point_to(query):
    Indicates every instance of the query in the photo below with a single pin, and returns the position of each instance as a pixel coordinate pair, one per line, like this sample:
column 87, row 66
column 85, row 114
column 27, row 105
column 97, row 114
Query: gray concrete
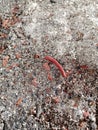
column 71, row 25
column 66, row 30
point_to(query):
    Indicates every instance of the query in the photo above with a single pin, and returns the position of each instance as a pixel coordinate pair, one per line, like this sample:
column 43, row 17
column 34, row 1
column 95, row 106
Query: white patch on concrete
column 90, row 13
column 60, row 18
column 60, row 48
column 29, row 28
column 31, row 7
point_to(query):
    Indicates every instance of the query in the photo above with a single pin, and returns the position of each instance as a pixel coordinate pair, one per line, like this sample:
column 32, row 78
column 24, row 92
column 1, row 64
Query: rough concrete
column 66, row 30
column 71, row 26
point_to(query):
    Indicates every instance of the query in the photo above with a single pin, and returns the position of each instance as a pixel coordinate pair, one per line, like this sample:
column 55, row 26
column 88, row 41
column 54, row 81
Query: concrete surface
column 71, row 26
column 64, row 29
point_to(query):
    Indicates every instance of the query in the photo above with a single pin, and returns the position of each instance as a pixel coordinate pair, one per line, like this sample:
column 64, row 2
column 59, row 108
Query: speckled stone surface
column 32, row 97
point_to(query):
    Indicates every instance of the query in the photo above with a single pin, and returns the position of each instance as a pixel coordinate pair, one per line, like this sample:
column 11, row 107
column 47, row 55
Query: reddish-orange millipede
column 57, row 64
